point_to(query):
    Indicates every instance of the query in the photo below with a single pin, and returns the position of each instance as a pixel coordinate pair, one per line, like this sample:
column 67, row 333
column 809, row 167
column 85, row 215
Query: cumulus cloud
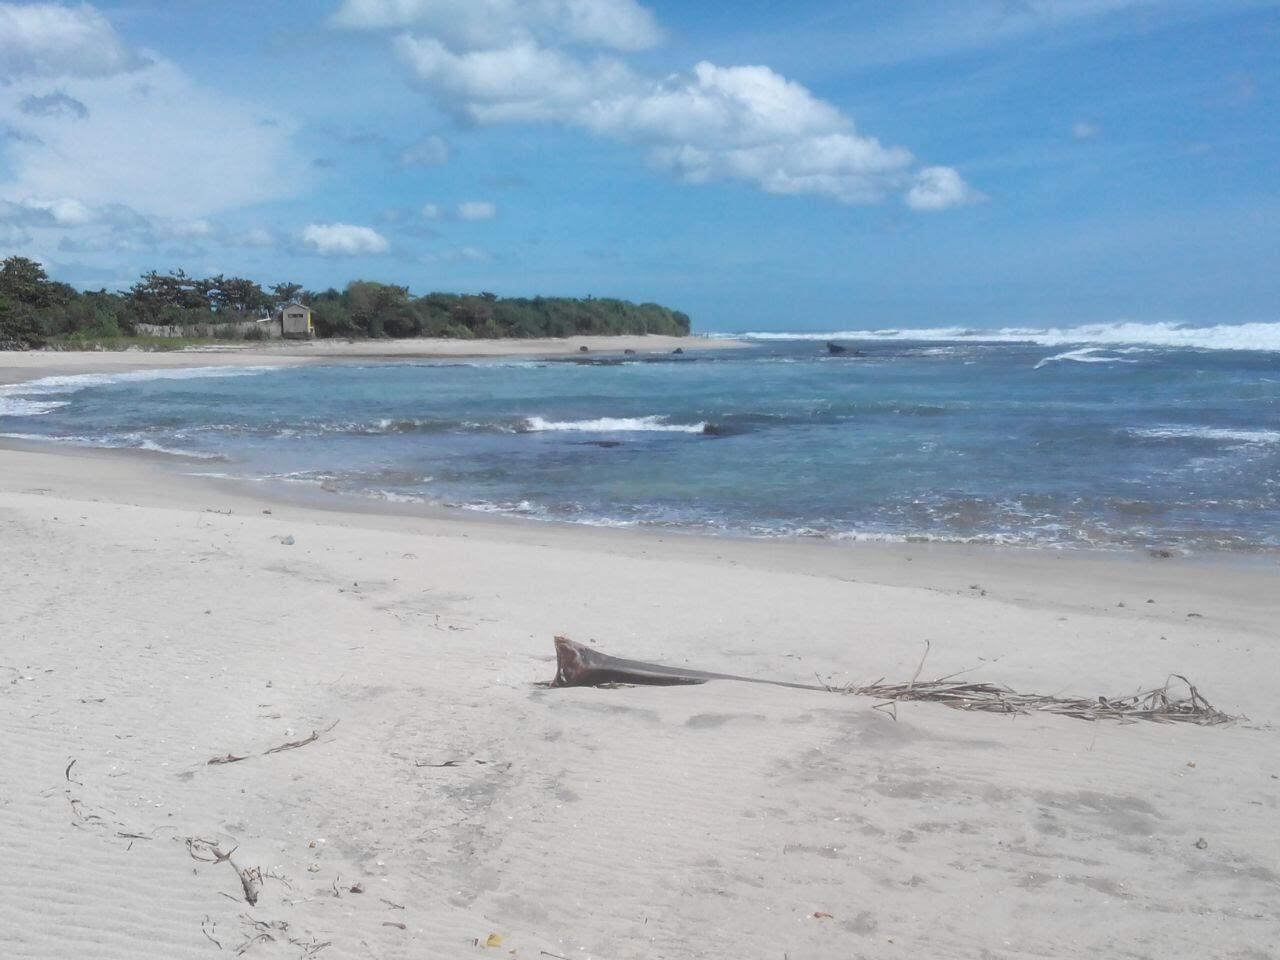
column 52, row 40
column 342, row 239
column 431, row 211
column 520, row 82
column 427, row 152
column 477, row 210
column 615, row 24
column 937, row 188
column 716, row 123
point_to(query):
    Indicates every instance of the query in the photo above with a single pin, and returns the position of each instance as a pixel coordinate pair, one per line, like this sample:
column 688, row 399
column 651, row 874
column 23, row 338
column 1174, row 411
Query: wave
column 655, row 424
column 24, row 407
column 1224, row 434
column 128, row 441
column 1090, row 355
column 29, row 398
column 1225, row 336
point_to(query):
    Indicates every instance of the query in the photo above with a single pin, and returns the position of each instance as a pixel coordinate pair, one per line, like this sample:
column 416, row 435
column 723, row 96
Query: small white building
column 295, row 321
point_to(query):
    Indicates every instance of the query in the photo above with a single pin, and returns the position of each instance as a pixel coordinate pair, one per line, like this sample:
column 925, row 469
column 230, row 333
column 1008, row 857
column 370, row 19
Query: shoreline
column 175, row 640
column 21, row 366
column 949, row 565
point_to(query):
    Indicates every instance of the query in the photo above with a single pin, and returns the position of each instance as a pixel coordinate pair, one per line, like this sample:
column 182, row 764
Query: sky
column 759, row 165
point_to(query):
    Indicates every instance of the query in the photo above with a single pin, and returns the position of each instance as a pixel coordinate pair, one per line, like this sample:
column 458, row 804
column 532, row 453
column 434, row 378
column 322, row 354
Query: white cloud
column 743, row 123
column 427, row 152
column 137, row 146
column 1083, row 130
column 52, row 40
column 343, row 239
column 520, row 82
column 471, row 24
column 431, row 211
column 12, row 237
column 59, row 212
column 938, row 188
column 477, row 210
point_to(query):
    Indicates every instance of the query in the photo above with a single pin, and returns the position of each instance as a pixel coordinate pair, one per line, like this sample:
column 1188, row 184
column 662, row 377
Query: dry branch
column 288, row 745
column 580, row 666
column 1160, row 705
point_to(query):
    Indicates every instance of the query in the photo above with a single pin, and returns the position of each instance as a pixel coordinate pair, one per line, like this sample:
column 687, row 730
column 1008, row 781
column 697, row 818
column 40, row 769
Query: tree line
column 35, row 310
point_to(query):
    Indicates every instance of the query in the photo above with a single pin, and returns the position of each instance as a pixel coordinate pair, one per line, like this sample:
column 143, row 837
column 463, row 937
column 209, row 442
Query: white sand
column 150, row 622
column 15, row 367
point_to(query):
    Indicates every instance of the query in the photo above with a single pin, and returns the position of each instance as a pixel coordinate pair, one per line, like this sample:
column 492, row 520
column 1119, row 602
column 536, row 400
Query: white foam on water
column 1089, row 355
column 24, row 407
column 1224, row 336
column 1224, row 434
column 654, row 424
column 31, row 398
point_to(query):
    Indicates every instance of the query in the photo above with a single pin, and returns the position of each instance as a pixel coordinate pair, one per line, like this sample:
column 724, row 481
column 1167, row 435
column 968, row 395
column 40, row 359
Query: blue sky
column 759, row 165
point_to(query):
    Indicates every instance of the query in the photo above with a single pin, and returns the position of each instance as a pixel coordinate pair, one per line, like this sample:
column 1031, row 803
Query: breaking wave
column 1225, row 336
column 613, row 425
column 1223, row 434
column 1090, row 355
column 32, row 397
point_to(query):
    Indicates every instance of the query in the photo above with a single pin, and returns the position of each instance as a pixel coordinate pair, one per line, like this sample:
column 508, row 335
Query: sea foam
column 1224, row 434
column 1225, row 336
column 30, row 398
column 613, row 425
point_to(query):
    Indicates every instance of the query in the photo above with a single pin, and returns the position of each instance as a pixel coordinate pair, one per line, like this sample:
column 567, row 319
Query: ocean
column 1122, row 436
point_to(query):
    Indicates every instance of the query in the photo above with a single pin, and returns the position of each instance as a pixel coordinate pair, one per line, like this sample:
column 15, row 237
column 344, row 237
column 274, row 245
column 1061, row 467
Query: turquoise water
column 1062, row 442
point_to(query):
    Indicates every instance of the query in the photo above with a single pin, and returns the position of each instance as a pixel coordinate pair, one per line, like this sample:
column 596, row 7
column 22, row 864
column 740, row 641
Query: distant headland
column 35, row 311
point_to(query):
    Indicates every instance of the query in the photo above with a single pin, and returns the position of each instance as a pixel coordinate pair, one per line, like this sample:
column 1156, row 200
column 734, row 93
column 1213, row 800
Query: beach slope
column 349, row 705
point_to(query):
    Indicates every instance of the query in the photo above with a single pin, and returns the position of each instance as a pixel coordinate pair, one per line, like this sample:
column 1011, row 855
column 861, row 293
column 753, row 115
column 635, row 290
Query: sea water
column 1123, row 436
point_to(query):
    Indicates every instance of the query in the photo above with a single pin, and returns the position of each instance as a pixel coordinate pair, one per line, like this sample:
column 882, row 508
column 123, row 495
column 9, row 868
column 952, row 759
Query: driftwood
column 579, row 666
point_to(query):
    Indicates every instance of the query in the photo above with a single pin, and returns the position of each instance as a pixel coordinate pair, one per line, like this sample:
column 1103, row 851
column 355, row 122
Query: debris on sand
column 581, row 666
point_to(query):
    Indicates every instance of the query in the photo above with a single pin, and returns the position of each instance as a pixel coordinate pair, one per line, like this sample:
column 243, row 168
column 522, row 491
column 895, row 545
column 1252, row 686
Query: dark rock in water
column 714, row 430
column 678, row 351
column 839, row 349
column 629, row 353
column 607, row 444
column 584, row 349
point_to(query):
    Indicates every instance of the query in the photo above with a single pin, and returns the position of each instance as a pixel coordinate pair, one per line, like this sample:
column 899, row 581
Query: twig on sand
column 67, row 773
column 310, row 947
column 205, row 930
column 1160, row 704
column 262, row 932
column 250, row 878
column 280, row 748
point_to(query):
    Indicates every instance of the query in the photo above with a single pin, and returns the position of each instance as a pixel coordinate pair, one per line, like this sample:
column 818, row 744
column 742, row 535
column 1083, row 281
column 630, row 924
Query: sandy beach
column 17, row 367
column 347, row 698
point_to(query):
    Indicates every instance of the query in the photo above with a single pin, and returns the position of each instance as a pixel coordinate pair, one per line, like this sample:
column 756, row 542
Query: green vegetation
column 36, row 311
